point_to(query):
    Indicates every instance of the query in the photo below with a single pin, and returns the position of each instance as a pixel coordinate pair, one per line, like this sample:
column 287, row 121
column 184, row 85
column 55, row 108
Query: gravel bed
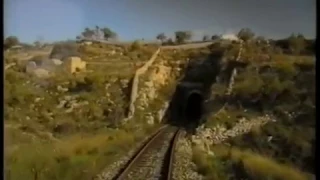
column 218, row 134
column 159, row 162
column 152, row 162
column 184, row 168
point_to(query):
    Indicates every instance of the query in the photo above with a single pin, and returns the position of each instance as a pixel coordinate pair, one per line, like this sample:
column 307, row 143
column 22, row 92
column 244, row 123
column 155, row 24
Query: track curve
column 155, row 158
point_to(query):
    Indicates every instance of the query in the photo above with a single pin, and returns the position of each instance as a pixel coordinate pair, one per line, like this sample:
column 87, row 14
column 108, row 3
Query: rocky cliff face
column 157, row 85
column 155, row 88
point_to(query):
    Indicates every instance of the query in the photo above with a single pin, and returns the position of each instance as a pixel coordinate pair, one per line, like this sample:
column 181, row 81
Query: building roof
column 230, row 37
column 16, row 47
column 37, row 62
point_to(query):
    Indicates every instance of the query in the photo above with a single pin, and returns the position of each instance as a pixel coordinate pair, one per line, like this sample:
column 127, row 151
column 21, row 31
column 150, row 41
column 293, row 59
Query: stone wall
column 206, row 137
column 234, row 72
column 135, row 83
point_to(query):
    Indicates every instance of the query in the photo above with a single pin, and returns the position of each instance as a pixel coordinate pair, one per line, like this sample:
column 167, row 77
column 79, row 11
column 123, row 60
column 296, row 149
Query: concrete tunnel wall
column 187, row 106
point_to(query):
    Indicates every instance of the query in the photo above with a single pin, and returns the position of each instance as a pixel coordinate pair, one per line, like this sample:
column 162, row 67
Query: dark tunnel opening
column 189, row 107
column 193, row 108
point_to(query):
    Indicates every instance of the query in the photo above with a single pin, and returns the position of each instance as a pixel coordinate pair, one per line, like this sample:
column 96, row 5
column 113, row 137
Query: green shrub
column 259, row 167
column 208, row 166
column 247, row 84
column 136, row 45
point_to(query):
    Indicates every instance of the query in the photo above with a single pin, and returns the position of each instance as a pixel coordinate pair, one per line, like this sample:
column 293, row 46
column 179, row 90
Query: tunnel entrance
column 193, row 109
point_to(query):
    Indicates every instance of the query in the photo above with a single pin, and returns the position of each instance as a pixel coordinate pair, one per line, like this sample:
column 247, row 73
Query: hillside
column 75, row 126
column 75, row 120
column 266, row 129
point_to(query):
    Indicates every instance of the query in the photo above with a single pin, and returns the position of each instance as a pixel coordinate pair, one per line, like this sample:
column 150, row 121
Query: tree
column 10, row 41
column 214, row 37
column 136, row 45
column 87, row 29
column 88, row 33
column 98, row 34
column 162, row 37
column 260, row 39
column 300, row 36
column 39, row 42
column 296, row 43
column 63, row 50
column 206, row 38
column 310, row 46
column 108, row 33
column 170, row 42
column 245, row 34
column 182, row 36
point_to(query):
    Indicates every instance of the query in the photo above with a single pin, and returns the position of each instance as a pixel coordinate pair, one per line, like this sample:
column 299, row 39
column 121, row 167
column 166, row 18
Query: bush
column 273, row 84
column 248, row 84
column 208, row 166
column 258, row 167
column 285, row 68
column 228, row 118
column 136, row 45
column 64, row 50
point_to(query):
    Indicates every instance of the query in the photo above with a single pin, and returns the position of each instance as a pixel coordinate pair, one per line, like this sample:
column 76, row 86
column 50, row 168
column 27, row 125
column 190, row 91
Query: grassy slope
column 283, row 88
column 44, row 141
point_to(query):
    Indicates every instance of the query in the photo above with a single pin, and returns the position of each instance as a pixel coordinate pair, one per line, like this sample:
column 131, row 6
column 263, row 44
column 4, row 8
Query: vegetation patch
column 67, row 126
column 275, row 84
column 233, row 163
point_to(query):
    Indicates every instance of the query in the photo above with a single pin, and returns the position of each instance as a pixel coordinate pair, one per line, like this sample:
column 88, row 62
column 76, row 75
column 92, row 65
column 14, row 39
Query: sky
column 54, row 20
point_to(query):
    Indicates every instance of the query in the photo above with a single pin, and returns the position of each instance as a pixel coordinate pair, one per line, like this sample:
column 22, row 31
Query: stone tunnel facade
column 189, row 103
column 187, row 106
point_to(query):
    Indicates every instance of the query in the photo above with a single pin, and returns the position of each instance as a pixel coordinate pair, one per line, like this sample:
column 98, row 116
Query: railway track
column 155, row 159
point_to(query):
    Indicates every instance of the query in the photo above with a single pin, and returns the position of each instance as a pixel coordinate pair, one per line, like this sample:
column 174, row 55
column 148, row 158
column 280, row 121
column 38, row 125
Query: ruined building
column 74, row 64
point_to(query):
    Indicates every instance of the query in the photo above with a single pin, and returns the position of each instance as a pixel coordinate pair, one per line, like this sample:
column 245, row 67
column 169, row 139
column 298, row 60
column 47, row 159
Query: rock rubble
column 205, row 137
column 184, row 168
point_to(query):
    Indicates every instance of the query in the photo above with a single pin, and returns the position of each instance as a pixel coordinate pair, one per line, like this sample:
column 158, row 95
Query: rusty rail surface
column 152, row 144
column 171, row 155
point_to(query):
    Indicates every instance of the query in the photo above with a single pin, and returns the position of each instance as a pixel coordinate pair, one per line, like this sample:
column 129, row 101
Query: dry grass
column 116, row 60
column 258, row 166
column 222, row 165
column 26, row 55
column 188, row 46
column 80, row 156
column 86, row 145
column 105, row 52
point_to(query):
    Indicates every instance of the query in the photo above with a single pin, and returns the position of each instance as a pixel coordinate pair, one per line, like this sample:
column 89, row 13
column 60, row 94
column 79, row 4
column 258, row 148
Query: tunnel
column 187, row 107
column 193, row 108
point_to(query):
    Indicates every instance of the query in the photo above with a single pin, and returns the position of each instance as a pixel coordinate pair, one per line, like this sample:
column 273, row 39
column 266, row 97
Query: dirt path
column 188, row 46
